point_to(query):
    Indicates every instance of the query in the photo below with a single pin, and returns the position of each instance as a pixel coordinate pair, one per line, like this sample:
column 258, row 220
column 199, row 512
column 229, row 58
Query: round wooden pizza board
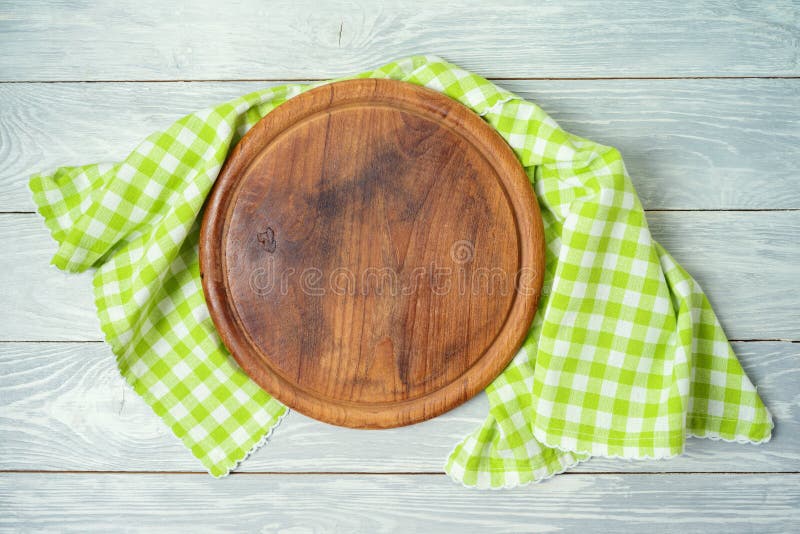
column 372, row 253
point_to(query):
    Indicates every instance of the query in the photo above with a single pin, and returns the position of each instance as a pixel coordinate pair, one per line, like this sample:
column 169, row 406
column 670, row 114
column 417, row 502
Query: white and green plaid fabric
column 625, row 356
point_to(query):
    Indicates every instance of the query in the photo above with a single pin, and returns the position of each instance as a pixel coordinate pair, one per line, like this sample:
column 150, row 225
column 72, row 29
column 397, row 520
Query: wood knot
column 267, row 239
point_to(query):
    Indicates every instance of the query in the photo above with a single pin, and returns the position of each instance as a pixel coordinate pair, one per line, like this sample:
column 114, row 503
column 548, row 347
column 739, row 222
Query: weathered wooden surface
column 687, row 144
column 399, row 503
column 63, row 406
column 143, row 40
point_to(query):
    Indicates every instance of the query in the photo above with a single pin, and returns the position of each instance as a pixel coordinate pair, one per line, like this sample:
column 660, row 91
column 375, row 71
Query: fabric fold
column 625, row 356
column 137, row 222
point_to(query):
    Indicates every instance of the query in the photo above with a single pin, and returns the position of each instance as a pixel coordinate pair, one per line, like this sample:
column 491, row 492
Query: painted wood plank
column 422, row 503
column 705, row 144
column 306, row 38
column 64, row 406
column 746, row 261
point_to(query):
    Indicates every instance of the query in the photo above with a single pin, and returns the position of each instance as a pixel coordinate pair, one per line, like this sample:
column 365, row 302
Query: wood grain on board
column 372, row 253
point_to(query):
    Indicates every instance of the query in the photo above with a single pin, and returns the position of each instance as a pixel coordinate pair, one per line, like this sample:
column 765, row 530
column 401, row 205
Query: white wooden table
column 702, row 99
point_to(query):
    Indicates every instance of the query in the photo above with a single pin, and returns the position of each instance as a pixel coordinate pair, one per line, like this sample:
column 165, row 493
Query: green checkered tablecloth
column 625, row 356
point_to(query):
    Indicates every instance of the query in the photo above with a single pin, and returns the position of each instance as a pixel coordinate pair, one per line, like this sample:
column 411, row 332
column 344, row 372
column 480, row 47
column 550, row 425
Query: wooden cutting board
column 372, row 253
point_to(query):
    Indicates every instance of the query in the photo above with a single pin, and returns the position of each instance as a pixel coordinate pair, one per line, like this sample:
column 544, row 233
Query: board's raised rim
column 519, row 194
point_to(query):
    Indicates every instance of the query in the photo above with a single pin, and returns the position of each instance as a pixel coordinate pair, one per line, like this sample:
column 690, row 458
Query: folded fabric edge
column 534, row 474
column 257, row 445
column 515, row 484
column 151, row 402
column 716, row 436
column 602, row 452
column 41, row 203
column 584, row 457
